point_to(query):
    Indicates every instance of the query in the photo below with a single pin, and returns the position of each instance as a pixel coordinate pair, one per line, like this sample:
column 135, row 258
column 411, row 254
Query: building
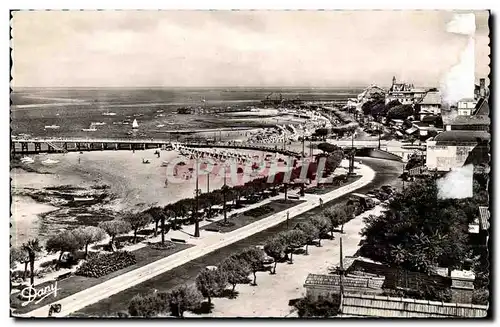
column 480, row 91
column 466, row 106
column 451, row 149
column 362, row 305
column 430, row 104
column 403, row 92
column 424, row 130
column 326, row 285
column 467, row 123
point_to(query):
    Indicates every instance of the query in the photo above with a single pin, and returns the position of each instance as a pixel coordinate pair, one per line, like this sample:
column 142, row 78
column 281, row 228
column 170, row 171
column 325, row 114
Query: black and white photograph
column 250, row 164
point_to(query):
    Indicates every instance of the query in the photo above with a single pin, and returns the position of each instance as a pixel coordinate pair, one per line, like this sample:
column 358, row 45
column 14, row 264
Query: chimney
column 482, row 87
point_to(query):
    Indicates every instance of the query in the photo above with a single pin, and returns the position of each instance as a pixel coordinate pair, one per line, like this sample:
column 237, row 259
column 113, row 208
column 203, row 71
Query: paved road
column 387, row 172
column 203, row 246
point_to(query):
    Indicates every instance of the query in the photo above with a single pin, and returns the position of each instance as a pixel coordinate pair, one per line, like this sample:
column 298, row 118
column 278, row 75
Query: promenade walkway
column 209, row 242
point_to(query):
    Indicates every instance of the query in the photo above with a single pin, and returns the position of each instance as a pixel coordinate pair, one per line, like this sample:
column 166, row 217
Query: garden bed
column 74, row 284
column 105, row 263
column 251, row 216
column 326, row 188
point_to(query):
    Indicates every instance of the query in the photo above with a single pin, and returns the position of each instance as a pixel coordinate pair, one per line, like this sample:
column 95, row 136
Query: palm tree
column 32, row 247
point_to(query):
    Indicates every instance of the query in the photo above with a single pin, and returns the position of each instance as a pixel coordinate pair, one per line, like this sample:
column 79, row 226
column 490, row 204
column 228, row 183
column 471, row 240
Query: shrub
column 149, row 305
column 184, row 298
column 104, row 264
column 162, row 246
column 321, row 307
column 211, row 282
column 237, row 271
column 259, row 211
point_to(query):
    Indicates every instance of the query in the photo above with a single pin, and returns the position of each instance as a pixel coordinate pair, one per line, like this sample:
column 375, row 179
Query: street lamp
column 197, row 191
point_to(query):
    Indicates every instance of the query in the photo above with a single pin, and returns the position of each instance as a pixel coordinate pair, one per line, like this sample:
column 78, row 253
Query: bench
column 215, row 230
column 178, row 240
column 293, row 197
column 63, row 276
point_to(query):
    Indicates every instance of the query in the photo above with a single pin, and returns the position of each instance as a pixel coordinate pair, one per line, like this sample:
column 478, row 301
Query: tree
column 400, row 112
column 157, row 215
column 114, row 228
column 211, row 282
column 149, row 305
column 321, row 132
column 337, row 217
column 293, row 239
column 184, row 298
column 253, row 258
column 310, row 233
column 32, row 248
column 323, row 226
column 237, row 271
column 276, row 250
column 137, row 221
column 18, row 255
column 328, row 147
column 419, row 231
column 65, row 241
column 89, row 234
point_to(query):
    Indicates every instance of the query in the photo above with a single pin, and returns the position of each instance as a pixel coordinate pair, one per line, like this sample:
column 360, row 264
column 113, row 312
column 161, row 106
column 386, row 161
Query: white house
column 430, row 104
column 450, row 149
column 466, row 106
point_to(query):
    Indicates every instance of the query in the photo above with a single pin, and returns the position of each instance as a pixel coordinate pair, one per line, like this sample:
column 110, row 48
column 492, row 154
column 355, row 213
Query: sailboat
column 135, row 125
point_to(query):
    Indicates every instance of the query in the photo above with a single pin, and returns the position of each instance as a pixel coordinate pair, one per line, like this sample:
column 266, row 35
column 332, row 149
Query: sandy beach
column 134, row 185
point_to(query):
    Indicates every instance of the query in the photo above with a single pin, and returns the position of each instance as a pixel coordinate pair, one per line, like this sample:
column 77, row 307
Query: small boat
column 99, row 123
column 135, row 125
column 83, row 198
column 117, row 123
column 107, row 113
column 27, row 160
column 130, row 133
column 160, row 115
column 161, row 125
column 90, row 129
column 50, row 162
column 126, row 123
column 52, row 127
column 159, row 111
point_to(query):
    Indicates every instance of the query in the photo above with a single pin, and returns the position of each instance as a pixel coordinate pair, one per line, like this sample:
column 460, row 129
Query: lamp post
column 224, row 195
column 197, row 191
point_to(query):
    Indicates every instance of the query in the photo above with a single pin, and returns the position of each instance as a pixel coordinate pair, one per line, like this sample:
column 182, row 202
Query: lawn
column 253, row 215
column 76, row 284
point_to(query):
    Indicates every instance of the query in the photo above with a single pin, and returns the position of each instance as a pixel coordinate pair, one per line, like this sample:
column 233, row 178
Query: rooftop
column 431, row 98
column 349, row 281
column 462, row 136
column 467, row 120
column 482, row 108
column 391, row 307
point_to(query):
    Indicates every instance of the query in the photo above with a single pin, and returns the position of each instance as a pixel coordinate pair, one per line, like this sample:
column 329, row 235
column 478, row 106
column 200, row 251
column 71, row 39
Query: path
column 205, row 245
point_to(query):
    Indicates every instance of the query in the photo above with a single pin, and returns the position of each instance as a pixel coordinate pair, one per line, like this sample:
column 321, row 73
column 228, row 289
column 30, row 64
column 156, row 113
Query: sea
column 74, row 109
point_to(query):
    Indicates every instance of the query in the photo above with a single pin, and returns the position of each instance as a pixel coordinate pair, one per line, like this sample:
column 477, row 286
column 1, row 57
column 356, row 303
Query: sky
column 238, row 48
